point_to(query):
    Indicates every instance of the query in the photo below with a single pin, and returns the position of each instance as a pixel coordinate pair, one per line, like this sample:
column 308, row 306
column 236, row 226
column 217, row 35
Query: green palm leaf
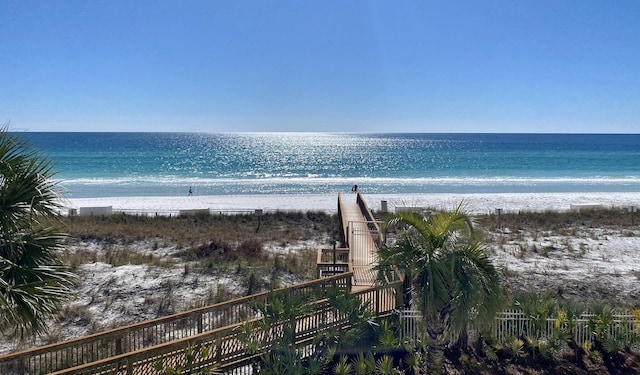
column 33, row 282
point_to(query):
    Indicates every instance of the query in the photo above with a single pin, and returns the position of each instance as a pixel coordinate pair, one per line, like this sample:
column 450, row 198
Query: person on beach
column 354, row 189
column 190, row 191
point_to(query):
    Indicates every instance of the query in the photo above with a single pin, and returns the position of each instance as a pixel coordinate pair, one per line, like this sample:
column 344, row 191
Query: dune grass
column 561, row 222
column 194, row 230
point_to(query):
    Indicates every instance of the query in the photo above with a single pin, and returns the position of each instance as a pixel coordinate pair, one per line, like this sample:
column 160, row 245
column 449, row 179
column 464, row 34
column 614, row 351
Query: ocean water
column 167, row 164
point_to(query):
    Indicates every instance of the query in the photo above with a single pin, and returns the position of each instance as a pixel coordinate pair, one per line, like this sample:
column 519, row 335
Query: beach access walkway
column 362, row 236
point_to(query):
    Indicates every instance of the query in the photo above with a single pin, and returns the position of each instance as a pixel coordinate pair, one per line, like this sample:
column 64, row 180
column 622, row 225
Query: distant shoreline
column 474, row 203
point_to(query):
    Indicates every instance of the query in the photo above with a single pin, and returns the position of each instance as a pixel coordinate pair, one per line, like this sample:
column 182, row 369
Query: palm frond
column 33, row 282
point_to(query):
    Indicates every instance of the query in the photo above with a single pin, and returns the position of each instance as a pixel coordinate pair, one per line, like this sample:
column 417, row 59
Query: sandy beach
column 475, row 203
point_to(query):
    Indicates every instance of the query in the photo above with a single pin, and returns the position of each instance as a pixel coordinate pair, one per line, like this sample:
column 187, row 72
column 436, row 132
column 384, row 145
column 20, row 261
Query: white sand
column 475, row 203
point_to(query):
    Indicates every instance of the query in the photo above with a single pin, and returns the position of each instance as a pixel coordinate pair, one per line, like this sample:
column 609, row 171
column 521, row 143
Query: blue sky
column 347, row 66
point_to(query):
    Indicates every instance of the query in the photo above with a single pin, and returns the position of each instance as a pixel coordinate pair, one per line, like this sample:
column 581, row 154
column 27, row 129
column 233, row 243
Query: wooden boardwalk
column 360, row 234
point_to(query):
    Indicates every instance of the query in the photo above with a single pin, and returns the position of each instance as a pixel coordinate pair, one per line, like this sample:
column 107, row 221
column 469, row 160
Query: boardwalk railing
column 372, row 223
column 225, row 348
column 511, row 324
column 153, row 332
column 366, row 212
column 332, row 262
column 364, row 258
column 331, row 256
column 342, row 224
column 362, row 237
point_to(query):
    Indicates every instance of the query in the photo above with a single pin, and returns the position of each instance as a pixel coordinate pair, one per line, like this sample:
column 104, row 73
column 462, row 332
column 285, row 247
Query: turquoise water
column 166, row 164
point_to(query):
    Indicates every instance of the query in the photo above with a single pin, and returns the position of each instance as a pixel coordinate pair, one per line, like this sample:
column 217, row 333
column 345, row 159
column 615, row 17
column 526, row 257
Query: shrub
column 215, row 247
column 251, row 248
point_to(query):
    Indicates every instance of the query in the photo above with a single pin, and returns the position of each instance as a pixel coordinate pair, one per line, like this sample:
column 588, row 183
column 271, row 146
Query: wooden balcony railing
column 154, row 332
column 224, row 346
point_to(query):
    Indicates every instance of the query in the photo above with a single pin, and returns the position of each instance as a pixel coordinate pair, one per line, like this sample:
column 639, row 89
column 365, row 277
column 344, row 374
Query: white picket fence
column 514, row 323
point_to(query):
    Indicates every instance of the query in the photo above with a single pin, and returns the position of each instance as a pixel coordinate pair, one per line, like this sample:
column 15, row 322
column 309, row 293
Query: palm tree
column 33, row 282
column 447, row 274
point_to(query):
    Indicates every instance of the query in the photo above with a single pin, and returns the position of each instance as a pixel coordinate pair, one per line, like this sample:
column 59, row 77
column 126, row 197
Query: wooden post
column 119, row 345
column 399, row 295
column 200, row 323
column 334, row 256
